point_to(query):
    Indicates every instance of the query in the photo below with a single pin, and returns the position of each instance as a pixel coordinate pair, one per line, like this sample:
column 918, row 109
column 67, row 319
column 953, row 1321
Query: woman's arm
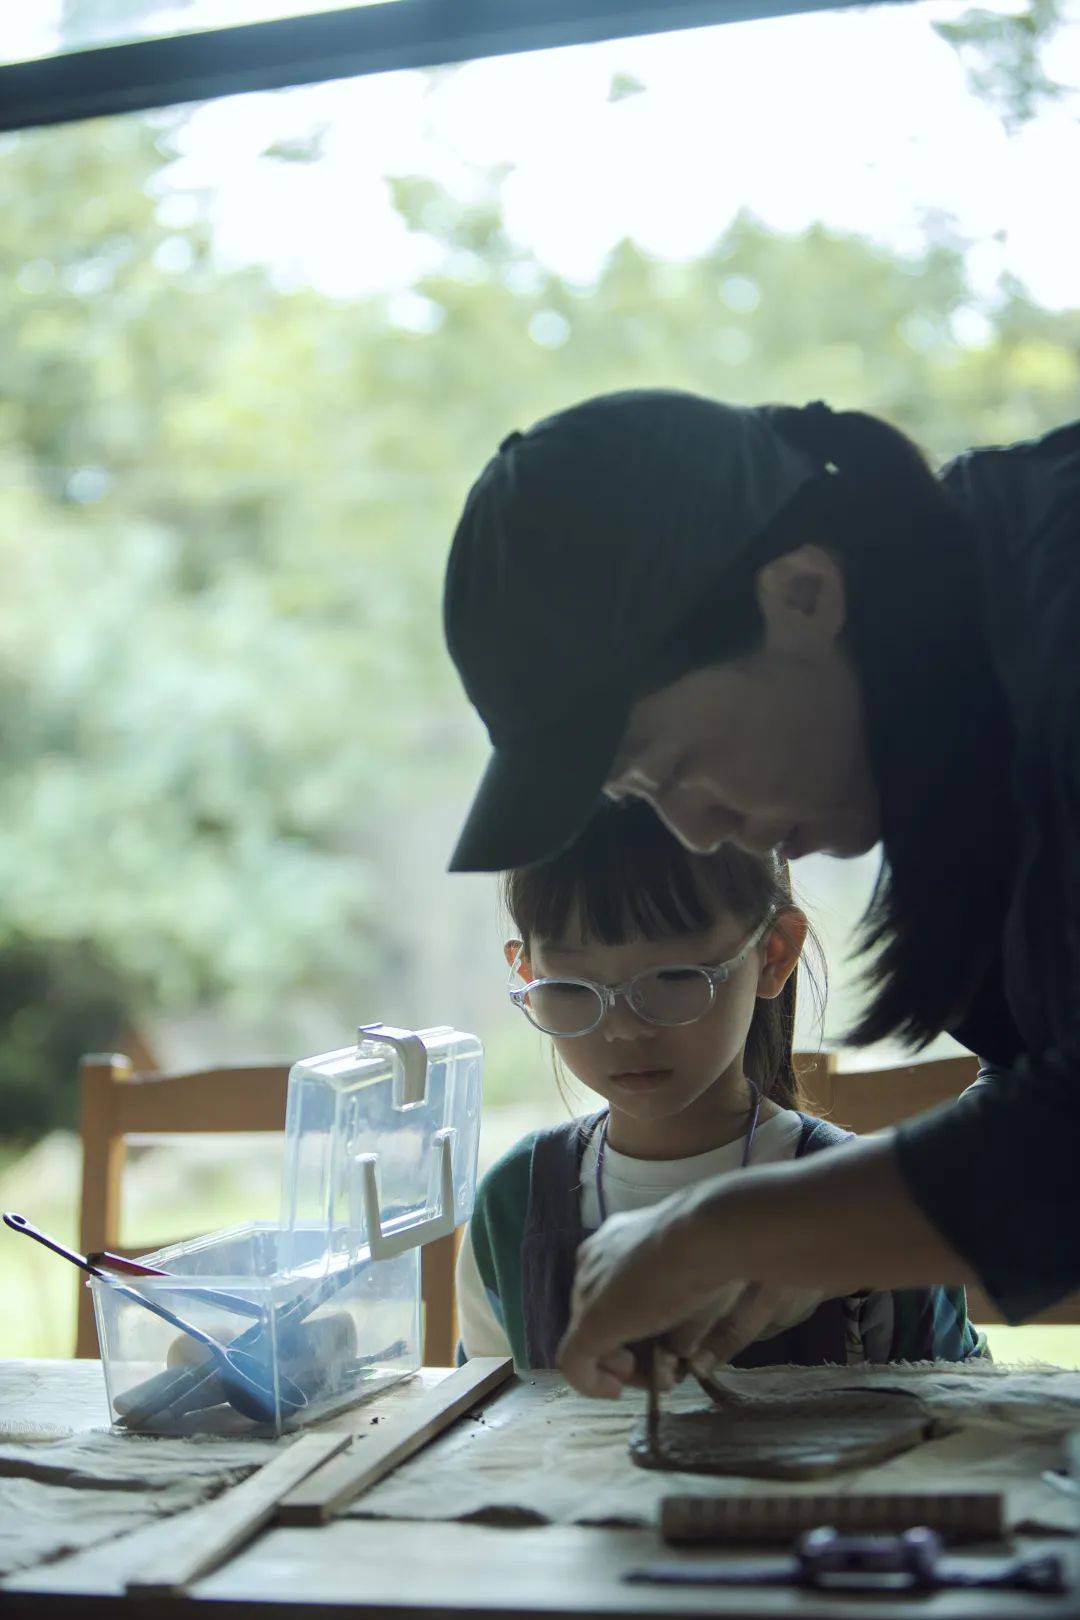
column 838, row 1221
column 997, row 1173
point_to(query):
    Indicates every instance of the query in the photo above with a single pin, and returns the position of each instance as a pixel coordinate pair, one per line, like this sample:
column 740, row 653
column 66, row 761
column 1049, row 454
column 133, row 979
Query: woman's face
column 767, row 751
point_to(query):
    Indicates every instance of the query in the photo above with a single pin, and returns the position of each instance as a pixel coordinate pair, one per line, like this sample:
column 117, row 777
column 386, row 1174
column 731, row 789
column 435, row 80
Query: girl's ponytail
column 770, row 1042
column 770, row 1047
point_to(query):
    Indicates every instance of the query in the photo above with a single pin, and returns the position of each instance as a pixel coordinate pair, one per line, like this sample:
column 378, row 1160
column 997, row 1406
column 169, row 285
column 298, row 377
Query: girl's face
column 767, row 751
column 646, row 1070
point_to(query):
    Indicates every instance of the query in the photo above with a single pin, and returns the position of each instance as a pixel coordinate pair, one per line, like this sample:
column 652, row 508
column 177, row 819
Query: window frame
column 103, row 81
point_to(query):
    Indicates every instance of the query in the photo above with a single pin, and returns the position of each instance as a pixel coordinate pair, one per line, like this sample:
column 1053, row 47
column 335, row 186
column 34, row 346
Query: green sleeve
column 932, row 1324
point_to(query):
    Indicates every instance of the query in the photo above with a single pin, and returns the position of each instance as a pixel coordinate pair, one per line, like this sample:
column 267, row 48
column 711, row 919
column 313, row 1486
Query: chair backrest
column 866, row 1100
column 116, row 1103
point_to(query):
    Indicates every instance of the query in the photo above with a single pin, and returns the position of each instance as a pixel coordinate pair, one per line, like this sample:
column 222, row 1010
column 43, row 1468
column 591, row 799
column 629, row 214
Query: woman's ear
column 782, row 949
column 514, row 951
column 803, row 600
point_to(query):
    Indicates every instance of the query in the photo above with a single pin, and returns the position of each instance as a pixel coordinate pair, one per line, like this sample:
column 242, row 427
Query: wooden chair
column 117, row 1102
column 867, row 1100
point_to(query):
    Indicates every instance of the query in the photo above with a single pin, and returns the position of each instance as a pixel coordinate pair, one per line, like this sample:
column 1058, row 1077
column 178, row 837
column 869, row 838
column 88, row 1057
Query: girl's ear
column 783, row 947
column 510, row 951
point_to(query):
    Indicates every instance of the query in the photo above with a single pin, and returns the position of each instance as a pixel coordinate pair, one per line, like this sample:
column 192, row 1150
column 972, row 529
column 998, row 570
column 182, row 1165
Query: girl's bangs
column 627, row 878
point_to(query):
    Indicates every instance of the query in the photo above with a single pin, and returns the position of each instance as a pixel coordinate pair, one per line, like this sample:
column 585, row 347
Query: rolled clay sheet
column 805, row 1436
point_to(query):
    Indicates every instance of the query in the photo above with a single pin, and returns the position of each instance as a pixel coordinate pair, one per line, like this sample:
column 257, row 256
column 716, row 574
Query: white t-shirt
column 629, row 1184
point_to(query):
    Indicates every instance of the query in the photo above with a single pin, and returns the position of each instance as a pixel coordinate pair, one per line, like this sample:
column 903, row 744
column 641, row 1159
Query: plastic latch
column 413, row 1056
column 383, row 1246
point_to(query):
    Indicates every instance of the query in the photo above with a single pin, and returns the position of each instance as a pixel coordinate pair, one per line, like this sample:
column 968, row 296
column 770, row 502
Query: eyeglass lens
column 664, row 996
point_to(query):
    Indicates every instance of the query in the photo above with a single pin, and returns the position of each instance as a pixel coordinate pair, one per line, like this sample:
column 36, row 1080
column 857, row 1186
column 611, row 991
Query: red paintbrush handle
column 117, row 1262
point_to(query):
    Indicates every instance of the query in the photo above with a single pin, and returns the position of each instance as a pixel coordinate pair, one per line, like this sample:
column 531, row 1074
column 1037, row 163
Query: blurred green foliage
column 1003, row 53
column 225, row 505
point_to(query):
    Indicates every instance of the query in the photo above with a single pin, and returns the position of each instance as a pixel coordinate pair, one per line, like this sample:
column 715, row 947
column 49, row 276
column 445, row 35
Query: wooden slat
column 375, row 1455
column 872, row 1102
column 210, row 1100
column 438, row 1262
column 101, row 1077
column 204, row 1537
column 865, row 1100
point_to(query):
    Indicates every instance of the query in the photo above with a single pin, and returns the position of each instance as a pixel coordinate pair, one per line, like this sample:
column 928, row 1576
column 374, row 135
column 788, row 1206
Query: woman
column 779, row 629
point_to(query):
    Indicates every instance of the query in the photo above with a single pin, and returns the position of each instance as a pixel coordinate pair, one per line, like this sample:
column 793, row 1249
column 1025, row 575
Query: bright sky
column 860, row 119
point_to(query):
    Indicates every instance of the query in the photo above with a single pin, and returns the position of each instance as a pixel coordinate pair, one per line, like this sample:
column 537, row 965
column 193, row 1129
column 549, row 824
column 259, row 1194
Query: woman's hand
column 759, row 1311
column 641, row 1272
column 637, row 1279
column 804, row 1231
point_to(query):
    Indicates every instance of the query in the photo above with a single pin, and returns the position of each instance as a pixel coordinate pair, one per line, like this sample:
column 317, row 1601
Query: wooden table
column 443, row 1571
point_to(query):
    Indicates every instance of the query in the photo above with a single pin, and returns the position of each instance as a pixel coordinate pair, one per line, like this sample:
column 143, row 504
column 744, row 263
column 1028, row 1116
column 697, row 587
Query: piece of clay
column 802, row 1437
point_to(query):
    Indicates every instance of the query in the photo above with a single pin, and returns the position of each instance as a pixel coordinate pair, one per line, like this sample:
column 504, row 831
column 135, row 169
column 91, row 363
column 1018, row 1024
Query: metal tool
column 104, row 1261
column 648, row 1354
column 652, row 1416
column 246, row 1381
column 648, row 1365
column 138, row 1268
column 826, row 1561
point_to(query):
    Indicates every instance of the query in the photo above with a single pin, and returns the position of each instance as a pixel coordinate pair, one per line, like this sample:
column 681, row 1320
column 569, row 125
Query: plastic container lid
column 381, row 1142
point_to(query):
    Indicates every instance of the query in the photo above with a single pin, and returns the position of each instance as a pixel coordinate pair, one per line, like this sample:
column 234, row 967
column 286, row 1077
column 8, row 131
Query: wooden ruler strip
column 375, row 1455
column 206, row 1535
column 957, row 1515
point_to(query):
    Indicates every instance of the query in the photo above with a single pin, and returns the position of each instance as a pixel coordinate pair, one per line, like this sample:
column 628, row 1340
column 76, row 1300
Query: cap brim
column 536, row 796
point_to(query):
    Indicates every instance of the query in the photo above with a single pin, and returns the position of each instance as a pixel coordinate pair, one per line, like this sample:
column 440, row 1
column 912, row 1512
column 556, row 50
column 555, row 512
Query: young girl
column 666, row 982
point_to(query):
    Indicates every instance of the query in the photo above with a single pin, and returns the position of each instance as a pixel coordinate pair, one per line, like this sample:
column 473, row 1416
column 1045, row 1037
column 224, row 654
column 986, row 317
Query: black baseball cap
column 583, row 547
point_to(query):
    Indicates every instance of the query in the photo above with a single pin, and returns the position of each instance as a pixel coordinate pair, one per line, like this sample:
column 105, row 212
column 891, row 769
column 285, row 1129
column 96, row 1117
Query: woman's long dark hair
column 625, row 877
column 939, row 731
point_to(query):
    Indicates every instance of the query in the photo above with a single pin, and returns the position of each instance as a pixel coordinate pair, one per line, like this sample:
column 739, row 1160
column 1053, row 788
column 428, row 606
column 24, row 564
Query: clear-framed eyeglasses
column 670, row 996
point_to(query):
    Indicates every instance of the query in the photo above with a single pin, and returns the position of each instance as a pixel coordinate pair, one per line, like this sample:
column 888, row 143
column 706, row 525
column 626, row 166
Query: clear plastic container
column 269, row 1326
column 381, row 1143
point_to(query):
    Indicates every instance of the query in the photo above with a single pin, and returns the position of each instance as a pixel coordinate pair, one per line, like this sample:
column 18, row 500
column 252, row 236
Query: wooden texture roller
column 956, row 1515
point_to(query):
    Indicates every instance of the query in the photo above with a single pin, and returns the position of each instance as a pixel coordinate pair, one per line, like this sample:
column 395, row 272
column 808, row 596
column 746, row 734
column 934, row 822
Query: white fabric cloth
column 629, row 1184
column 546, row 1455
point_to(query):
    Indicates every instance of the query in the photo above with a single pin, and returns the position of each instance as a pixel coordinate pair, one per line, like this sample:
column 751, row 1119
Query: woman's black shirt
column 999, row 1172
